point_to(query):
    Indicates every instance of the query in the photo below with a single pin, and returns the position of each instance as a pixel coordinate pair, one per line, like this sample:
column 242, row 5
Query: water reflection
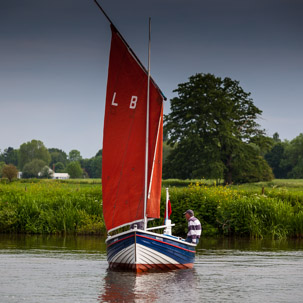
column 245, row 244
column 71, row 243
column 97, row 244
column 150, row 287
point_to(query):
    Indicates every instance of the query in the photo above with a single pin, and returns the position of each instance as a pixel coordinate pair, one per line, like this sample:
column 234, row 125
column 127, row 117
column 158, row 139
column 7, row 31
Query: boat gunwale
column 168, row 237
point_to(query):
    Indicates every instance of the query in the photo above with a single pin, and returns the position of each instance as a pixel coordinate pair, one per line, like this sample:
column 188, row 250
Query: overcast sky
column 54, row 60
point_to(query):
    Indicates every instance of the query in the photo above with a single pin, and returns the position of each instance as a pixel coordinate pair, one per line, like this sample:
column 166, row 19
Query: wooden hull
column 140, row 251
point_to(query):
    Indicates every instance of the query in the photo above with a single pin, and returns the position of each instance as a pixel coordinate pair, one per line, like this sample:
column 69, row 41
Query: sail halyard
column 147, row 130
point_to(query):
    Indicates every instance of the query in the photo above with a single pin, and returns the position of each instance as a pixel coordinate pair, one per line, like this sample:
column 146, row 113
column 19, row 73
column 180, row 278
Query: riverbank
column 272, row 209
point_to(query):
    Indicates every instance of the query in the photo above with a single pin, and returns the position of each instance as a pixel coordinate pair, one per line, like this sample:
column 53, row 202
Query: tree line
column 34, row 160
column 286, row 157
column 211, row 132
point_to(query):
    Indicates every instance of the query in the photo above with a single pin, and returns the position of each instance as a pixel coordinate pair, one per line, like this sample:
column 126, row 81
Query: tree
column 57, row 155
column 33, row 150
column 251, row 167
column 212, row 124
column 10, row 156
column 277, row 160
column 99, row 153
column 74, row 155
column 2, row 163
column 93, row 166
column 59, row 167
column 10, row 172
column 276, row 137
column 33, row 168
column 294, row 158
column 45, row 173
column 167, row 149
column 297, row 171
column 74, row 170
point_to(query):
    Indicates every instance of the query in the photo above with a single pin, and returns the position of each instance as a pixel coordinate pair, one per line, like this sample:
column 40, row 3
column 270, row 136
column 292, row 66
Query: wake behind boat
column 132, row 167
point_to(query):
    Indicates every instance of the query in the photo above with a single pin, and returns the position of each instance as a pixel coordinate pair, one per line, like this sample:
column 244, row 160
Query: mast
column 147, row 128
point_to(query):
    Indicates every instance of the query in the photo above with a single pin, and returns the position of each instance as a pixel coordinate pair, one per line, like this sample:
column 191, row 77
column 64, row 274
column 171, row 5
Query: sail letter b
column 133, row 102
column 113, row 101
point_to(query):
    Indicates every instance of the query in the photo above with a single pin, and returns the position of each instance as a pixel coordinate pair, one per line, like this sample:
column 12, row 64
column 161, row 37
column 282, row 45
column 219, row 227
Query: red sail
column 123, row 157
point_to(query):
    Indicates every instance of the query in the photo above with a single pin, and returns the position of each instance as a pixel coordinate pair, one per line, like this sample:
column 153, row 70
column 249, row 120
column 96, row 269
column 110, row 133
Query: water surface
column 74, row 269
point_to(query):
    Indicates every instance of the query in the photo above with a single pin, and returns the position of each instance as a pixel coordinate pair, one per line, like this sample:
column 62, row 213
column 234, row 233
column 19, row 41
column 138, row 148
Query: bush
column 10, row 172
column 74, row 170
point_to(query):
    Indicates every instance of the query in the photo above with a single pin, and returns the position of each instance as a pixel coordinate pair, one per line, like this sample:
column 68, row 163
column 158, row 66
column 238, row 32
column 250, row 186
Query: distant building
column 61, row 176
column 53, row 175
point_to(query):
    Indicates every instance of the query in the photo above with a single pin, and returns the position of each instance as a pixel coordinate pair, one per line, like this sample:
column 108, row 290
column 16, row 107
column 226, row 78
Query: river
column 74, row 269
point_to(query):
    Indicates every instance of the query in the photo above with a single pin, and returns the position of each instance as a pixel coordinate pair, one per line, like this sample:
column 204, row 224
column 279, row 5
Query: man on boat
column 138, row 225
column 194, row 227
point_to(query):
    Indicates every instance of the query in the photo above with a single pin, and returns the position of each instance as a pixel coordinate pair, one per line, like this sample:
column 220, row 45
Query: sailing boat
column 132, row 168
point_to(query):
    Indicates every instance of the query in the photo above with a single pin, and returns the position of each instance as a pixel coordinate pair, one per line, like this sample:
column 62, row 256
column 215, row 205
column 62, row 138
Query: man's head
column 189, row 213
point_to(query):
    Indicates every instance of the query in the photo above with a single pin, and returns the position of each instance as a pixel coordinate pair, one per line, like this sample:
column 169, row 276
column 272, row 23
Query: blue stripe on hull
column 170, row 248
column 180, row 252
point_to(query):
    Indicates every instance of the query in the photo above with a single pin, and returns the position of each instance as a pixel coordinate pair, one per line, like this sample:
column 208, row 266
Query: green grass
column 266, row 209
column 188, row 182
column 290, row 184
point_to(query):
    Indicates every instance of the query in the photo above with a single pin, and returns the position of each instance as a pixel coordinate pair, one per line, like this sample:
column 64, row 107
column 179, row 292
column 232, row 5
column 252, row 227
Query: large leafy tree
column 33, row 150
column 213, row 127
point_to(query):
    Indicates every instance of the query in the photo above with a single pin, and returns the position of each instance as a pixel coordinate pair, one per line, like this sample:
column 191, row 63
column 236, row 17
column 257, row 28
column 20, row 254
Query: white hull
column 142, row 251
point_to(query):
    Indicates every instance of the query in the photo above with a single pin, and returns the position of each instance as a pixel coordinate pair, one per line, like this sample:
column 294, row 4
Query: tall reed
column 50, row 207
column 227, row 211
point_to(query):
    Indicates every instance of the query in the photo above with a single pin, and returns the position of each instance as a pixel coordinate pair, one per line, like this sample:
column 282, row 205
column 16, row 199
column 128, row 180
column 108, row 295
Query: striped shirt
column 194, row 229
